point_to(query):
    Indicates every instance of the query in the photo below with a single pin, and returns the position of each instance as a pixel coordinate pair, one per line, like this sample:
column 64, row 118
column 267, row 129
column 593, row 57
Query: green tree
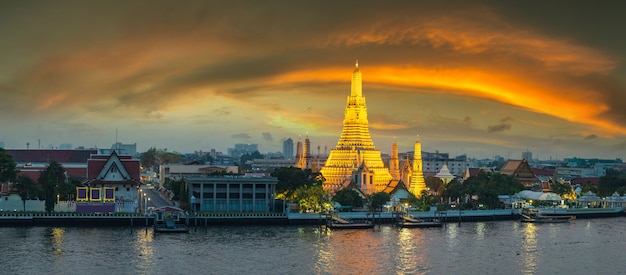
column 312, row 198
column 8, row 170
column 377, row 200
column 291, row 179
column 608, row 184
column 26, row 189
column 177, row 187
column 50, row 179
column 348, row 197
column 560, row 188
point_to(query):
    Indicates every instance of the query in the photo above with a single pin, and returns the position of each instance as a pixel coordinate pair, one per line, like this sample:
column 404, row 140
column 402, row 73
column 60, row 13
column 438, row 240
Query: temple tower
column 417, row 183
column 355, row 147
column 394, row 162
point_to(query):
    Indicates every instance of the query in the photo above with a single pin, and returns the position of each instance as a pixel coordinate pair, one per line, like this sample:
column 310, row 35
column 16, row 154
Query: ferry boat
column 169, row 219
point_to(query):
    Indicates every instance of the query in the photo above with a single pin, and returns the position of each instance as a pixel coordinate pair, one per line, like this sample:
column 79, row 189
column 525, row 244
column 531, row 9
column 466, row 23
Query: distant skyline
column 481, row 78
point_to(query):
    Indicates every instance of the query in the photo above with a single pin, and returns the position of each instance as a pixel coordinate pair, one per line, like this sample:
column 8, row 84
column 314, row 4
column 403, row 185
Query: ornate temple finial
column 357, row 64
column 418, row 138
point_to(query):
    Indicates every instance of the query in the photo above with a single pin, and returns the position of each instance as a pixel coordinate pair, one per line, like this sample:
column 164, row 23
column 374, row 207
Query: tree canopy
column 26, row 189
column 291, row 179
column 50, row 180
column 486, row 186
column 377, row 200
column 348, row 197
column 8, row 171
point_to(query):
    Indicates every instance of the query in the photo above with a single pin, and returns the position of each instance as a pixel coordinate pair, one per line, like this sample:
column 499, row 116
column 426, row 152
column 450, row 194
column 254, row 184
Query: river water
column 584, row 246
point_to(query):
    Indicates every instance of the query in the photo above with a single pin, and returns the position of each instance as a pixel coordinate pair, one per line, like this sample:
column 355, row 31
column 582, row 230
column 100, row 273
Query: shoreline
column 8, row 219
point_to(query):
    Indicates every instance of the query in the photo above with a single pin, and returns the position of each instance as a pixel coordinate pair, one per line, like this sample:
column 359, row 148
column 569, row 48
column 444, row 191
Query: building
column 417, row 184
column 303, row 154
column 242, row 148
column 180, row 171
column 288, row 148
column 112, row 184
column 520, row 170
column 232, row 193
column 355, row 148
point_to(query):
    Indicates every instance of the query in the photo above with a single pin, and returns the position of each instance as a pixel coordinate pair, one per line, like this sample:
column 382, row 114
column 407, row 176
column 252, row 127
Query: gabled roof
column 393, row 186
column 100, row 166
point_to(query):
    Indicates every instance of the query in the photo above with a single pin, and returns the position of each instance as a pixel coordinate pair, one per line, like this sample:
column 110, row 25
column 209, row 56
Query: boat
column 553, row 219
column 411, row 222
column 529, row 215
column 169, row 219
column 336, row 222
column 533, row 215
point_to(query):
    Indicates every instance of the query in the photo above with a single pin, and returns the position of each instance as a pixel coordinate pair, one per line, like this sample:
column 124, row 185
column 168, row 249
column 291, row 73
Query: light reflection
column 144, row 249
column 480, row 230
column 57, row 235
column 530, row 253
column 411, row 255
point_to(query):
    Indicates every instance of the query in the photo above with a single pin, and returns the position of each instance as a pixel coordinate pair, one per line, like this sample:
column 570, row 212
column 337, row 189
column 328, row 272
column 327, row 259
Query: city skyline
column 481, row 78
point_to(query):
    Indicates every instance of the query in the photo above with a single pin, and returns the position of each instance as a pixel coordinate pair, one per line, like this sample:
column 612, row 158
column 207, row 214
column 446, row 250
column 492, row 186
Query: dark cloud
column 502, row 126
column 241, row 136
column 590, row 137
column 268, row 137
column 467, row 120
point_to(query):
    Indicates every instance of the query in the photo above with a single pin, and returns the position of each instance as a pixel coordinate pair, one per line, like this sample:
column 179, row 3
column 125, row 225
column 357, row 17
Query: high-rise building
column 355, row 148
column 288, row 148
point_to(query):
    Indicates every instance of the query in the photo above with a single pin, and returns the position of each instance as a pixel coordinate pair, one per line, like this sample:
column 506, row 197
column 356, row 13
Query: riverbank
column 8, row 219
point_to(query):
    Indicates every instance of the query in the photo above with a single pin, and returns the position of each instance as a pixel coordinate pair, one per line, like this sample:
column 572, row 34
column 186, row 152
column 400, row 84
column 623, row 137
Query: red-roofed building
column 583, row 181
column 32, row 162
column 111, row 186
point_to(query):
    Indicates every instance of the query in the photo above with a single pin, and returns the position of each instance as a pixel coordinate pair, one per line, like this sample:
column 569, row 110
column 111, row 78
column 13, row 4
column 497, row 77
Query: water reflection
column 56, row 239
column 530, row 255
column 144, row 249
column 412, row 254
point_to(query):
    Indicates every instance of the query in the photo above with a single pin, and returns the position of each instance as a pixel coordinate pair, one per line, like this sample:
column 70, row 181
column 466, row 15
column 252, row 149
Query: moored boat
column 169, row 219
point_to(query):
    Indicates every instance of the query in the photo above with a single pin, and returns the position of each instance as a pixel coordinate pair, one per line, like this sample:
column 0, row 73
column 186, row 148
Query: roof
column 541, row 196
column 583, row 181
column 61, row 156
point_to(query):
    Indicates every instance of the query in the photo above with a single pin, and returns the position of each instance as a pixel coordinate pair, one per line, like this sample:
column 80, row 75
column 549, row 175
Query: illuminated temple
column 355, row 150
column 355, row 162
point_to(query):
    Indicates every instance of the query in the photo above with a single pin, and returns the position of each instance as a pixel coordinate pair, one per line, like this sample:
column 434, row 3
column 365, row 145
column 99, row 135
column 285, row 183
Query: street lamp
column 146, row 200
column 193, row 204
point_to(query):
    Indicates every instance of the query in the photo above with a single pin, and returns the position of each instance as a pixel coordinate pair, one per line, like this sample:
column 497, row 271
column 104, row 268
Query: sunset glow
column 470, row 77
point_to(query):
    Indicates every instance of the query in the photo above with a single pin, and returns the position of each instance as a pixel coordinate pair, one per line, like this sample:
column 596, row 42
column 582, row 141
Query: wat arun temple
column 356, row 163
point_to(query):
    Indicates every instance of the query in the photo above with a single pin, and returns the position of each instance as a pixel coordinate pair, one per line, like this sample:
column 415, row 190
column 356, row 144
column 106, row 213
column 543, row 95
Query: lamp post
column 145, row 205
column 193, row 204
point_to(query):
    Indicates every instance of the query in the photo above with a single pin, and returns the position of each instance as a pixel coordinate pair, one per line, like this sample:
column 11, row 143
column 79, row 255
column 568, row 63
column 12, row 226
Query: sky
column 481, row 78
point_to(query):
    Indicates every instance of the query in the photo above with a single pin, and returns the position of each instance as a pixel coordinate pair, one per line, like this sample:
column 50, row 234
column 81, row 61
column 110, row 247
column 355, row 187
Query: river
column 584, row 246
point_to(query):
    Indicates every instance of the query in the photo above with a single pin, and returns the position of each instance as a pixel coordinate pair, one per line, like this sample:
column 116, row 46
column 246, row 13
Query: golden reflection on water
column 530, row 253
column 144, row 248
column 411, row 255
column 57, row 235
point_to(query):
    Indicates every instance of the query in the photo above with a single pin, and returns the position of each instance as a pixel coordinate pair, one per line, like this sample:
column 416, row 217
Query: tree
column 26, row 189
column 177, row 187
column 291, row 179
column 8, row 171
column 50, row 179
column 560, row 188
column 378, row 200
column 312, row 198
column 348, row 197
